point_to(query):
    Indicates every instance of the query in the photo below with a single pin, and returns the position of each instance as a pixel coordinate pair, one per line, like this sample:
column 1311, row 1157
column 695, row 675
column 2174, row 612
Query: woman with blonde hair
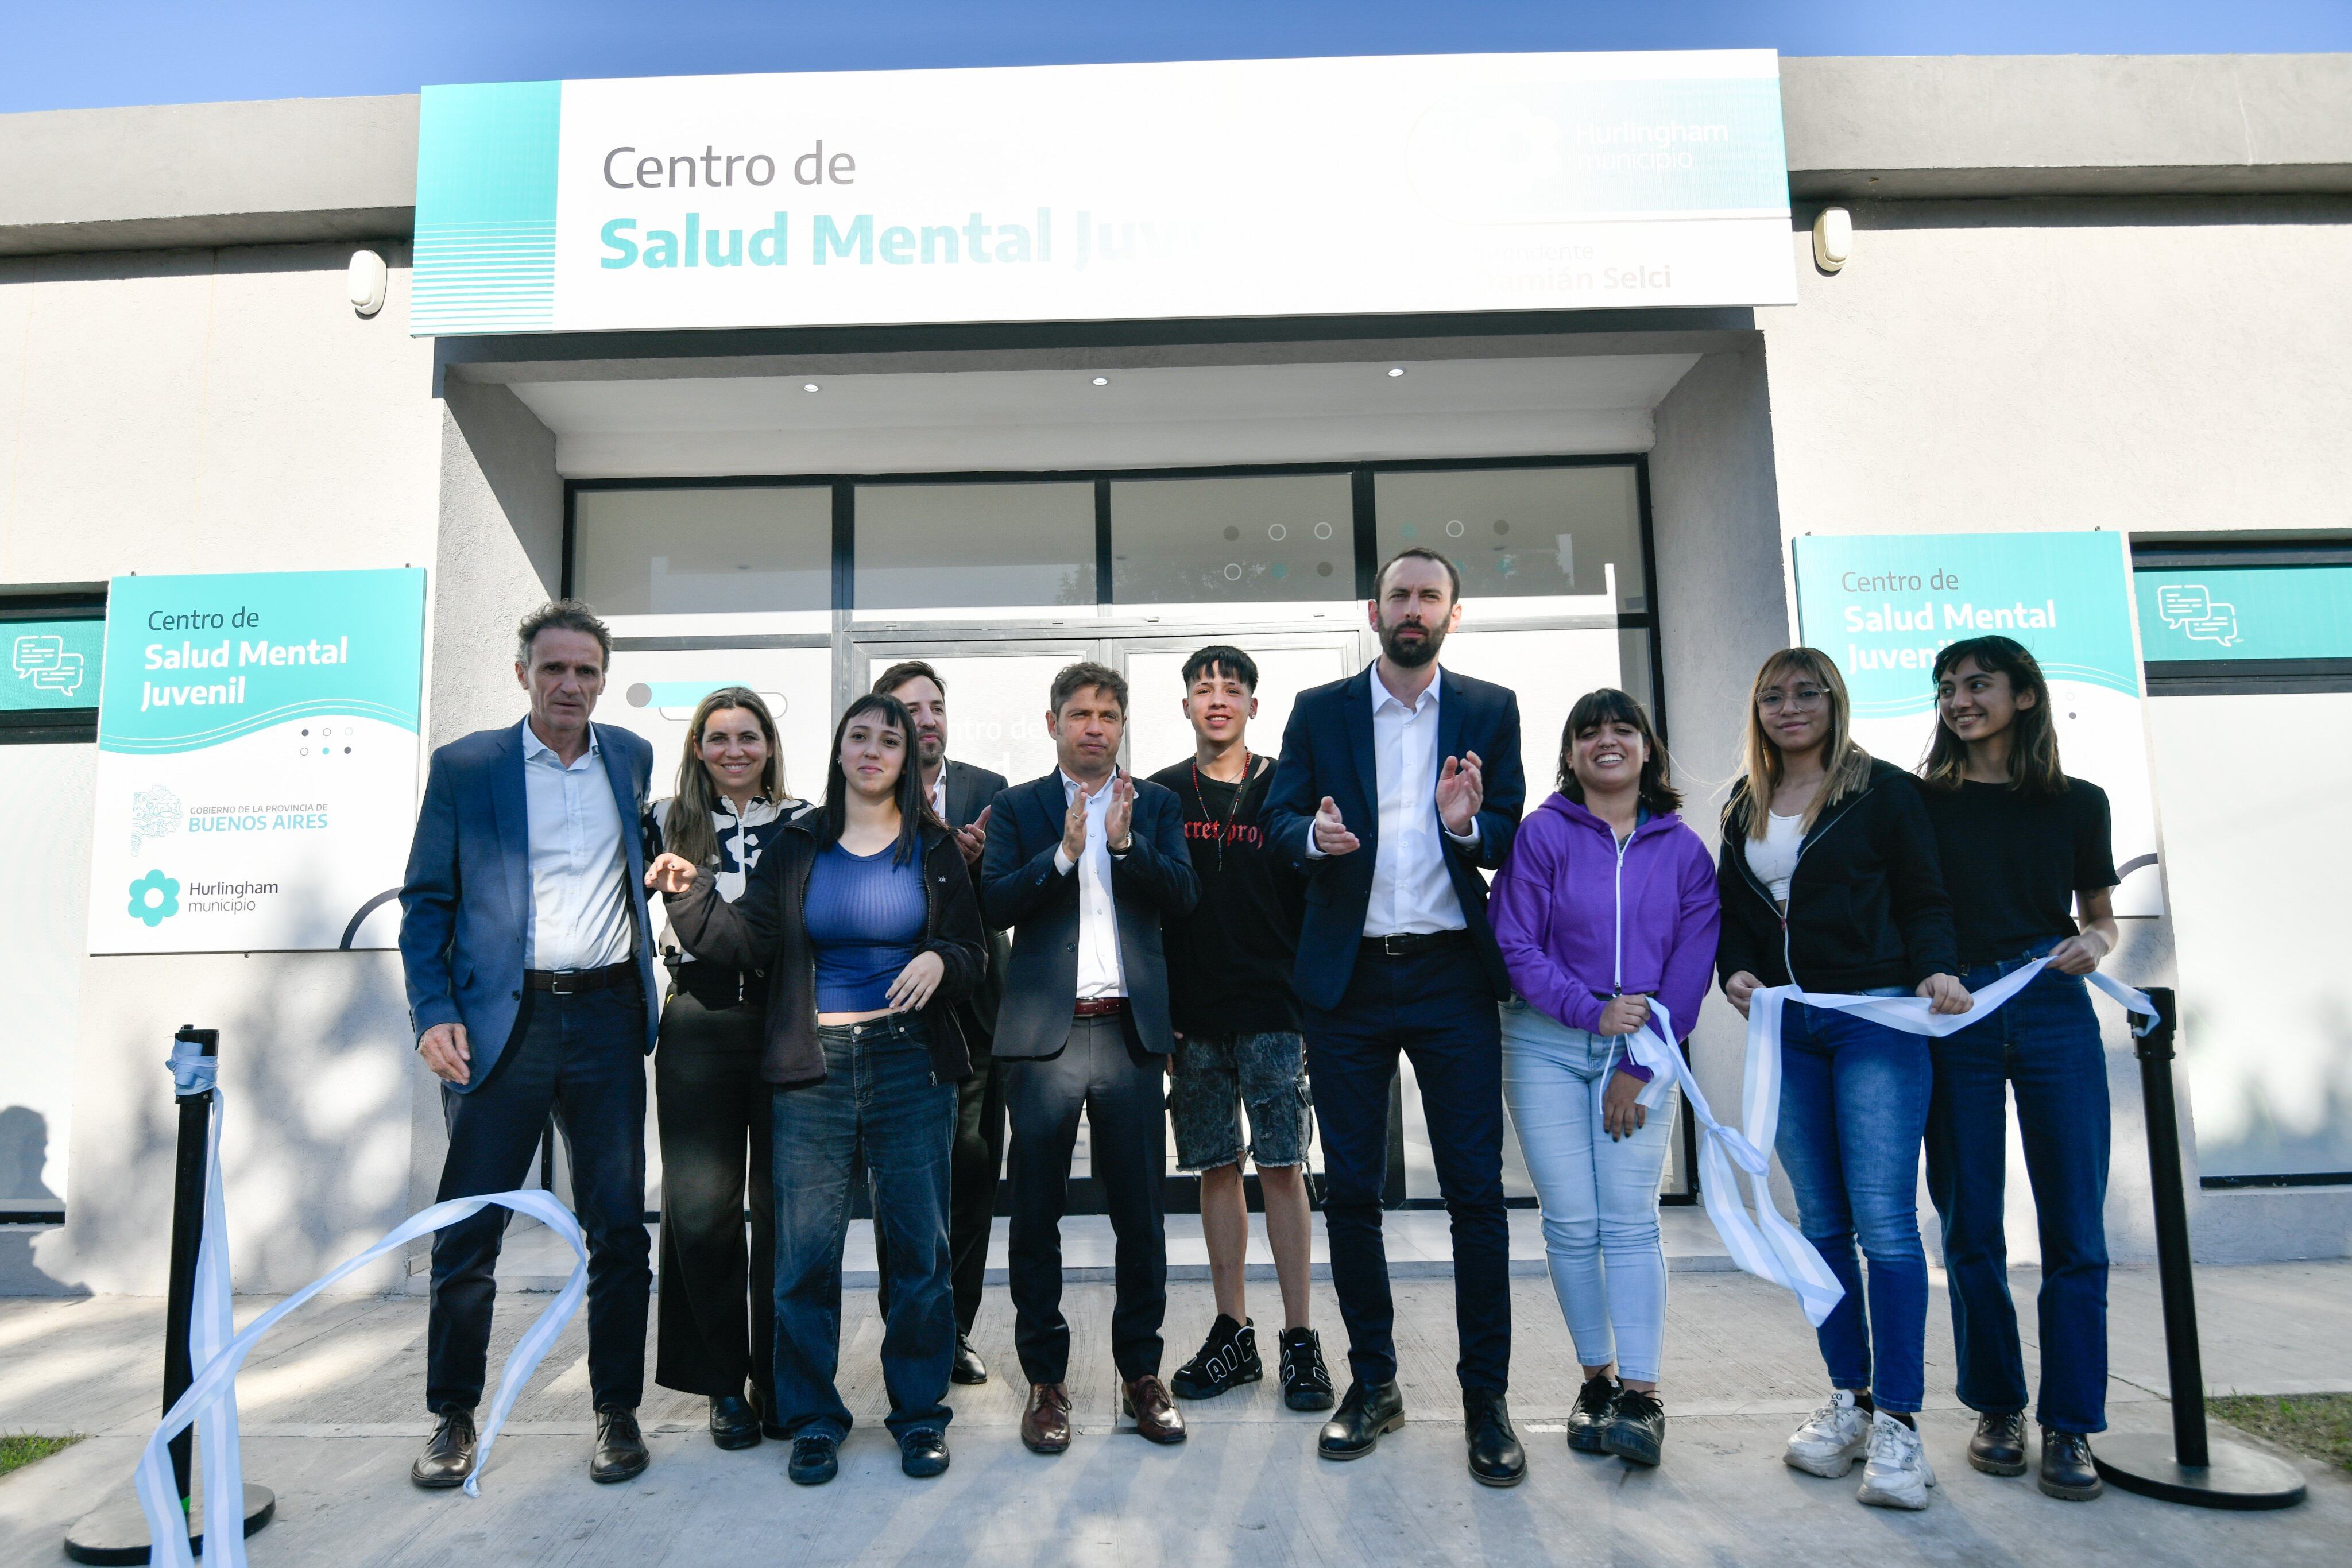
column 717, row 1307
column 1831, row 883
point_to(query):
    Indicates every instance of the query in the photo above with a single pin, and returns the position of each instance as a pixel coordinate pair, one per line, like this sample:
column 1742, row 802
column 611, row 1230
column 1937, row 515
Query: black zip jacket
column 1866, row 905
column 766, row 930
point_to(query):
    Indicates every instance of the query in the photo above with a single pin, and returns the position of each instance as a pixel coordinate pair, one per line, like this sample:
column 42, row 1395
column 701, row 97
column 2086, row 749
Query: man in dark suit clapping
column 1395, row 787
column 1083, row 864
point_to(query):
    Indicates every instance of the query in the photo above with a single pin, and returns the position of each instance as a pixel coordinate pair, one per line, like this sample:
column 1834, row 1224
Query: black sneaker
column 1588, row 1418
column 815, row 1459
column 1305, row 1381
column 1636, row 1432
column 1226, row 1360
column 1999, row 1447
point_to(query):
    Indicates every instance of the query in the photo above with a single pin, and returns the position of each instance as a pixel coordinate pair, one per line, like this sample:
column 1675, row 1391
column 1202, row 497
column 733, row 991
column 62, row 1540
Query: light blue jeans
column 1600, row 1194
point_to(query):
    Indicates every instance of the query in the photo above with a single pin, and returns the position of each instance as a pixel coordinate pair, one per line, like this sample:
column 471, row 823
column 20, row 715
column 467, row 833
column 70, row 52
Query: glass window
column 1277, row 536
column 671, row 551
column 973, row 549
column 1522, row 533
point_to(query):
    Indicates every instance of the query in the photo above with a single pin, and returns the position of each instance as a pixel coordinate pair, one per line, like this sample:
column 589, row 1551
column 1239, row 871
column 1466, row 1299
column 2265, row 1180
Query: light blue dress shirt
column 581, row 915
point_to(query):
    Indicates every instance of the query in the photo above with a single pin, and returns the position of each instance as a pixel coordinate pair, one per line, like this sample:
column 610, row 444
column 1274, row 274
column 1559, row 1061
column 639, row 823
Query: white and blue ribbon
column 1759, row 1239
column 215, row 1351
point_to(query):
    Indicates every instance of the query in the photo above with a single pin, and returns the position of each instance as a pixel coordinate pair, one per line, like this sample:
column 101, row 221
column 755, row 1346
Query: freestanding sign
column 256, row 760
column 1231, row 188
column 1883, row 605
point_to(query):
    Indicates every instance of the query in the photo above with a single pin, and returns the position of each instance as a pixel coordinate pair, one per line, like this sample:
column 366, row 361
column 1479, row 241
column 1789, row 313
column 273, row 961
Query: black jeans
column 1434, row 1007
column 979, row 1164
column 1120, row 1088
column 582, row 1057
column 717, row 1320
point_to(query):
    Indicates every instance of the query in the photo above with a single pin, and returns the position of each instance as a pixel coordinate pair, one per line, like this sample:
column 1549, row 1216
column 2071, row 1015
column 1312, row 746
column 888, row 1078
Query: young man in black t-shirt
column 1237, row 1036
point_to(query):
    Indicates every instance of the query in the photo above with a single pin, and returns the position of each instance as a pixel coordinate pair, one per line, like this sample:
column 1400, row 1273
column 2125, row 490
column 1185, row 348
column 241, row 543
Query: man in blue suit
column 529, row 963
column 1396, row 787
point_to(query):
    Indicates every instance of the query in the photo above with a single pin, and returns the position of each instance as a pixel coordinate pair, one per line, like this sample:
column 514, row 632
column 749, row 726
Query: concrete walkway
column 333, row 1411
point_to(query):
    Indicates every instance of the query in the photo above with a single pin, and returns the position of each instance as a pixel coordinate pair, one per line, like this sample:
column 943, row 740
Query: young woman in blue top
column 863, row 917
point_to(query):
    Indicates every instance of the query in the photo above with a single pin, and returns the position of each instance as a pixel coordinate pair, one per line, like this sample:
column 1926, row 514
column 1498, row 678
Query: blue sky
column 68, row 54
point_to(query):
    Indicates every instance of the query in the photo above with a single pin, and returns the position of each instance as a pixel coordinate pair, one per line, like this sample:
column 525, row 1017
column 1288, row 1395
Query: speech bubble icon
column 37, row 651
column 2181, row 601
column 2220, row 626
column 64, row 677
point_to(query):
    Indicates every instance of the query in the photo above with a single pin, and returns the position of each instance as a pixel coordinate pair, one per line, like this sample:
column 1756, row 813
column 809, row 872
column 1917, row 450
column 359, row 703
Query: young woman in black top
column 2023, row 847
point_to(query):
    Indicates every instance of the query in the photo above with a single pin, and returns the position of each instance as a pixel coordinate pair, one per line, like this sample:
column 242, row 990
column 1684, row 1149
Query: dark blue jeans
column 1436, row 1009
column 584, row 1058
column 1853, row 1103
column 878, row 1099
column 2044, row 1047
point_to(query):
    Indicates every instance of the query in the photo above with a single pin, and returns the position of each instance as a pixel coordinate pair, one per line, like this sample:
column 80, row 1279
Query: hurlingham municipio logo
column 154, row 898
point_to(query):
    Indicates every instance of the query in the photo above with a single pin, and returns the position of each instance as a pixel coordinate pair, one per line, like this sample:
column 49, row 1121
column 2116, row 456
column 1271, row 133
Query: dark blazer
column 1866, row 906
column 970, row 790
column 1020, row 887
column 466, row 904
column 1327, row 750
column 767, row 929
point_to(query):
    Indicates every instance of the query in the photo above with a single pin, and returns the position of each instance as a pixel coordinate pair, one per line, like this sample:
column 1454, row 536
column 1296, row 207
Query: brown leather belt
column 572, row 982
column 1098, row 1006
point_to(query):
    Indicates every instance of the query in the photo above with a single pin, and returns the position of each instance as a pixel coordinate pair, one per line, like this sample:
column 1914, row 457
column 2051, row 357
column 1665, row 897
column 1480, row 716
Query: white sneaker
column 1897, row 1474
column 1831, row 1438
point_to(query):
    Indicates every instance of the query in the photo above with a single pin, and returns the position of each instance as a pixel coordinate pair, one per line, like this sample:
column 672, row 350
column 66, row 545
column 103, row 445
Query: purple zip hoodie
column 1579, row 920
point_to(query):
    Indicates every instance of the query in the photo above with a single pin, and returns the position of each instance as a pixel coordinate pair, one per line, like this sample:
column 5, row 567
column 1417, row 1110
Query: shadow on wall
column 23, row 1155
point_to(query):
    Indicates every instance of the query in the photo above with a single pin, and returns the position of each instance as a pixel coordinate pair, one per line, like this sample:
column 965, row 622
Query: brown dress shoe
column 1045, row 1421
column 1156, row 1415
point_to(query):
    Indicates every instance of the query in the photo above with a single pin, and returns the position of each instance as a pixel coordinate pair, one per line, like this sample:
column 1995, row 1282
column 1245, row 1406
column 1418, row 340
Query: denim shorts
column 1213, row 1076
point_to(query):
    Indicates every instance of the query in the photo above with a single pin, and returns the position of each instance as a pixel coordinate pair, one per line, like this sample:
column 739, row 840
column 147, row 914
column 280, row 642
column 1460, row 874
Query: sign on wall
column 1883, row 605
column 1231, row 188
column 256, row 760
column 52, row 665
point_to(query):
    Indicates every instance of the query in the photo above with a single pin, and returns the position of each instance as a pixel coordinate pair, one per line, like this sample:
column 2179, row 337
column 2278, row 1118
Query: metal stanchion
column 117, row 1532
column 2190, row 1467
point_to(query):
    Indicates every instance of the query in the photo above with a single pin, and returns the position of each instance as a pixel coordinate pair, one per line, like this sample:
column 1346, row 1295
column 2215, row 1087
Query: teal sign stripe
column 192, row 662
column 52, row 665
column 1884, row 605
column 485, row 245
column 2244, row 612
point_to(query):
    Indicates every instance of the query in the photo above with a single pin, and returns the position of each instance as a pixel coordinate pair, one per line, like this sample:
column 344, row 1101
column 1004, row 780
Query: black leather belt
column 1412, row 945
column 572, row 982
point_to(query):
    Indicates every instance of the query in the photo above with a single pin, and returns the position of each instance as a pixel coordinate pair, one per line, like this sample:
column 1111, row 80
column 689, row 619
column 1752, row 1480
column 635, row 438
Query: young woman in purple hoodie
column 1608, row 901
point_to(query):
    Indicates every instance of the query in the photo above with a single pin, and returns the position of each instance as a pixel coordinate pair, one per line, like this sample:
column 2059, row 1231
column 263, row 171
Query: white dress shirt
column 1412, row 893
column 939, row 793
column 581, row 917
column 1099, row 974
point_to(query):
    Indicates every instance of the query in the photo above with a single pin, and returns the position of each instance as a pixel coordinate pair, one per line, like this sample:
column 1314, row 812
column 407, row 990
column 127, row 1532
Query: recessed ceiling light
column 1102, row 380
column 1395, row 371
column 808, row 386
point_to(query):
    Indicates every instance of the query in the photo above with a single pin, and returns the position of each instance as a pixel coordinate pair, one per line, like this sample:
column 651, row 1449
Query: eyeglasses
column 1773, row 699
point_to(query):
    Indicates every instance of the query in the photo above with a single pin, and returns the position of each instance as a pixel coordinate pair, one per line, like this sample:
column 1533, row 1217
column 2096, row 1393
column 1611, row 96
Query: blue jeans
column 880, row 1099
column 1853, row 1106
column 1600, row 1194
column 2045, row 1045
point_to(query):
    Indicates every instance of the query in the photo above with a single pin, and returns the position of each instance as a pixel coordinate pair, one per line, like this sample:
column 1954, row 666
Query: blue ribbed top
column 866, row 918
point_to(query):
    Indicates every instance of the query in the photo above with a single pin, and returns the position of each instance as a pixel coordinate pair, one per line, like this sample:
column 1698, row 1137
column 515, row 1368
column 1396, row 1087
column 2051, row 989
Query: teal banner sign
column 55, row 665
column 2244, row 612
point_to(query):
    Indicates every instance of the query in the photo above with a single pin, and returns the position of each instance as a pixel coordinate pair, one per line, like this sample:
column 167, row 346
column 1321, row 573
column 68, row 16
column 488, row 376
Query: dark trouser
column 582, row 1057
column 979, row 1161
column 878, row 1100
column 2044, row 1046
column 1436, row 1008
column 716, row 1322
column 1118, row 1085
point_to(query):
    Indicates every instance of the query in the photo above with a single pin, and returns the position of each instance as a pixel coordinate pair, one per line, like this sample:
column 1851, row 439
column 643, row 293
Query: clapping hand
column 1461, row 791
column 973, row 840
column 670, row 874
column 1331, row 835
column 1118, row 818
column 1073, row 825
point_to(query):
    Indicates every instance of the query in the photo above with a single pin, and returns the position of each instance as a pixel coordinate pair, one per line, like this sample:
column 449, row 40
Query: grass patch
column 19, row 1449
column 2319, row 1425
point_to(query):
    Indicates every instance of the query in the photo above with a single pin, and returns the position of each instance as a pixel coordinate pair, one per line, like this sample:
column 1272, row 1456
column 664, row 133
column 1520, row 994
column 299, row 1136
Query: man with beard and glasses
column 1395, row 787
column 960, row 795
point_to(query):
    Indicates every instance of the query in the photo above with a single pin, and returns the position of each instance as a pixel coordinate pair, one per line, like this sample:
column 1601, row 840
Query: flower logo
column 154, row 898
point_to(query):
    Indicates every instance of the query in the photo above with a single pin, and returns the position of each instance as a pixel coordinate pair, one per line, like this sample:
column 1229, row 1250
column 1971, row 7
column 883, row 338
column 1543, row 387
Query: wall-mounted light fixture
column 1832, row 238
column 366, row 280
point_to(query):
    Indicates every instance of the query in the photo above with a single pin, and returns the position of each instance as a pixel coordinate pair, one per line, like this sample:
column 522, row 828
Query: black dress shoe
column 2067, row 1472
column 815, row 1459
column 923, row 1453
column 449, row 1456
column 1999, row 1447
column 1589, row 1416
column 733, row 1423
column 620, row 1447
column 1636, row 1432
column 1496, row 1458
column 1367, row 1411
column 967, row 1368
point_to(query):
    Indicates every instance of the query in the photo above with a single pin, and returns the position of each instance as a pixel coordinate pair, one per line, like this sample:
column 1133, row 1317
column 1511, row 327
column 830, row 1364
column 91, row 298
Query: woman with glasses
column 2024, row 847
column 1831, row 883
column 716, row 1303
column 864, row 918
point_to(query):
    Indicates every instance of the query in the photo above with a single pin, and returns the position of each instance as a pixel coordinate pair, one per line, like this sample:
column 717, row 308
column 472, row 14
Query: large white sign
column 1417, row 183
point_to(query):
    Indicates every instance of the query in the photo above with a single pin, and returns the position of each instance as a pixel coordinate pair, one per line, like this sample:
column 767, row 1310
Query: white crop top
column 1773, row 858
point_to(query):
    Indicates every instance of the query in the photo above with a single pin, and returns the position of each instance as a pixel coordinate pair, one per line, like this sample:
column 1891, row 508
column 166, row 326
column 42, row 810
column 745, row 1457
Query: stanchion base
column 118, row 1531
column 2239, row 1477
